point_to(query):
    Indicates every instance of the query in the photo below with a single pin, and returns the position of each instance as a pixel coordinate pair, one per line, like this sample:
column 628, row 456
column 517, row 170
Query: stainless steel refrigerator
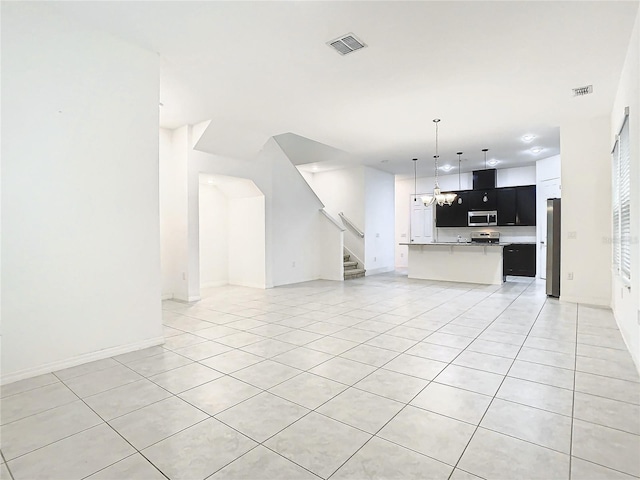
column 553, row 247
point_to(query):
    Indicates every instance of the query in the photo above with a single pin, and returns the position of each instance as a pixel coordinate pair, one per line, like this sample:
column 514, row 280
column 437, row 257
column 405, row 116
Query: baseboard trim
column 167, row 296
column 597, row 302
column 220, row 283
column 375, row 271
column 195, row 298
column 79, row 360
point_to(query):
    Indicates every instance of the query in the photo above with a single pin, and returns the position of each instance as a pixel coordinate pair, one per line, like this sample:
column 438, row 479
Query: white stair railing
column 351, row 225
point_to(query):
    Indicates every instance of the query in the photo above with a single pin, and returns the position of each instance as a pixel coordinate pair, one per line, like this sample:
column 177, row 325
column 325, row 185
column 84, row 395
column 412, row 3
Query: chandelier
column 437, row 196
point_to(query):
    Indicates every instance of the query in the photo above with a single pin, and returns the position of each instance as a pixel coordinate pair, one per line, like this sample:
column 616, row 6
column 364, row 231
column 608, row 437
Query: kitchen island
column 456, row 262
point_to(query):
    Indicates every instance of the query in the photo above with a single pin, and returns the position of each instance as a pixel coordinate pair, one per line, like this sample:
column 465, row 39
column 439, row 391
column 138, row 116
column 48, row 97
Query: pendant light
column 438, row 197
column 459, row 175
column 485, row 199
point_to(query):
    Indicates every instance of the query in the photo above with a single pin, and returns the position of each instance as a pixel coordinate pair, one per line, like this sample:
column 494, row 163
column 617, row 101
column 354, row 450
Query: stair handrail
column 332, row 220
column 351, row 224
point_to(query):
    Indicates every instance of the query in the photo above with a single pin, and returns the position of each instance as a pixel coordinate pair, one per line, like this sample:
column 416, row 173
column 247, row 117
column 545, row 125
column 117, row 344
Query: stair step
column 354, row 273
column 349, row 265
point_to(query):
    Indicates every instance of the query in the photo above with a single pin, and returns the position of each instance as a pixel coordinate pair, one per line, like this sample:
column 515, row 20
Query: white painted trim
column 219, row 283
column 587, row 301
column 80, row 359
column 195, row 298
column 251, row 285
column 167, row 296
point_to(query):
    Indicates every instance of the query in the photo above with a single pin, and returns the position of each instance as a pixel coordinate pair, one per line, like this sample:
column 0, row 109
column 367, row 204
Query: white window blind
column 622, row 202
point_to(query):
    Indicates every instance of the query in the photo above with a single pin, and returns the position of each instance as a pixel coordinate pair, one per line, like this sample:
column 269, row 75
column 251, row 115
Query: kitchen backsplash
column 507, row 234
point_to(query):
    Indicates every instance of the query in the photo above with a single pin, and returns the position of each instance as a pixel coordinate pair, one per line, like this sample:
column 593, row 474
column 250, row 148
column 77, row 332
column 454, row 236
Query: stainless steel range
column 485, row 237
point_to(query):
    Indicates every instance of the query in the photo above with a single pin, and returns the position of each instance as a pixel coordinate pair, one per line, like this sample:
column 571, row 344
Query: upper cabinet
column 526, row 205
column 516, row 206
column 506, row 206
column 483, row 200
column 454, row 215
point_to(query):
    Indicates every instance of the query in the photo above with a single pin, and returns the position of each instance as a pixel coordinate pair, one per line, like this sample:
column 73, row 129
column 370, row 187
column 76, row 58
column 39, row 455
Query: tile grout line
column 429, row 383
column 498, row 389
column 6, row 464
column 573, row 398
column 117, row 433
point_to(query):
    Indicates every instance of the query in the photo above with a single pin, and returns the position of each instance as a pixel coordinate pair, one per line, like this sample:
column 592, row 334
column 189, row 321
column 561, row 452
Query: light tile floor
column 380, row 377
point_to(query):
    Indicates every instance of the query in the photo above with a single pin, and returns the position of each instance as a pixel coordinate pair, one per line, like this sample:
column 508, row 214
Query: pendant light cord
column 436, row 156
column 415, row 178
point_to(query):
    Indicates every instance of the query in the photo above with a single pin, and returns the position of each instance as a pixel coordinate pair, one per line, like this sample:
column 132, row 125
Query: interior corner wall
column 174, row 212
column 214, row 237
column 625, row 302
column 585, row 249
column 344, row 191
column 80, row 220
column 247, row 241
column 379, row 201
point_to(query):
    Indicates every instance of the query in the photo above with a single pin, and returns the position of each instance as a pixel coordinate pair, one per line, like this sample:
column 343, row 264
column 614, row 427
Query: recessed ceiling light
column 446, row 167
column 527, row 138
column 314, row 168
column 493, row 162
column 536, row 149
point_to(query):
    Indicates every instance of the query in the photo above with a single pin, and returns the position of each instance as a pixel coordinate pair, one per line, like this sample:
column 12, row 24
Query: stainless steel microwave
column 483, row 219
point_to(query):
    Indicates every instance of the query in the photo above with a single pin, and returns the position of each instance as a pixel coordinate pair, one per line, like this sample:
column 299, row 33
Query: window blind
column 625, row 201
column 622, row 202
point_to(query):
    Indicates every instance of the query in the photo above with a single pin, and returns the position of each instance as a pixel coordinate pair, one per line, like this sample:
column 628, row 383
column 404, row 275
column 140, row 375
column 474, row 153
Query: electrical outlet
column 570, row 276
column 293, row 264
column 375, row 259
column 184, row 276
column 573, row 235
column 377, row 235
column 402, row 255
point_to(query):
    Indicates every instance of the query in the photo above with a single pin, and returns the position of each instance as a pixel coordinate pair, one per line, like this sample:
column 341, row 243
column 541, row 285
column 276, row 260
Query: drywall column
column 80, row 219
column 586, row 211
column 626, row 302
column 379, row 211
column 173, row 212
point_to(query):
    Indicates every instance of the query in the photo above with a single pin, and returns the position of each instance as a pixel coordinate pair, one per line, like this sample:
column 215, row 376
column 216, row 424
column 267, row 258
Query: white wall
column 173, row 212
column 585, row 248
column 404, row 188
column 626, row 303
column 549, row 185
column 80, row 245
column 379, row 198
column 344, row 191
column 291, row 249
column 247, row 241
column 214, row 236
column 329, row 244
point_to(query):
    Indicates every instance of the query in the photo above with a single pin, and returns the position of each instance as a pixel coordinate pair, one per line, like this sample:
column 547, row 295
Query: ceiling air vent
column 580, row 91
column 346, row 44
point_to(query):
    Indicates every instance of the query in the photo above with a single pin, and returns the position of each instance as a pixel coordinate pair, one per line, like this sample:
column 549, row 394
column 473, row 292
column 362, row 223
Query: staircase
column 351, row 269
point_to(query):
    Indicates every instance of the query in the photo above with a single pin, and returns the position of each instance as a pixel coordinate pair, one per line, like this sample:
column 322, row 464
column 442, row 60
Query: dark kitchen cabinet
column 454, row 215
column 526, row 206
column 483, row 200
column 519, row 259
column 506, row 201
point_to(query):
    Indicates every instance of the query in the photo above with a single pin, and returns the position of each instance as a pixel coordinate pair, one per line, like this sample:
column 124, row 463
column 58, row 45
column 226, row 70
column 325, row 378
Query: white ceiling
column 492, row 71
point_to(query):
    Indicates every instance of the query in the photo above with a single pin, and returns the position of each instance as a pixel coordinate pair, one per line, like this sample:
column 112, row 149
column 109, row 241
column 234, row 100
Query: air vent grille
column 580, row 91
column 346, row 44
